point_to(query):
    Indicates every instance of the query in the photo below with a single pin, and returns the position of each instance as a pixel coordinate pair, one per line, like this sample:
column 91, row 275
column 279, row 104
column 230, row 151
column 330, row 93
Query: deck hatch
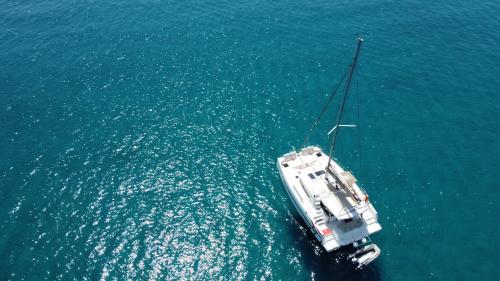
column 319, row 173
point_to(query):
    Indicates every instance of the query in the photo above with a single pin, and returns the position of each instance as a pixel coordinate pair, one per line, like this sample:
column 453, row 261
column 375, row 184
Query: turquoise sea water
column 138, row 138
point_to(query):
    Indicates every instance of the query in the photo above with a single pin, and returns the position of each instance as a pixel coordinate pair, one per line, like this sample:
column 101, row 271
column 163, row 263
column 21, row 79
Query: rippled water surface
column 138, row 138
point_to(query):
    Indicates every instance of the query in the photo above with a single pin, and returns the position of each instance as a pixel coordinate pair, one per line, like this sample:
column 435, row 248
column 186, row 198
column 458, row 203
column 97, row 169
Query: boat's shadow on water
column 324, row 265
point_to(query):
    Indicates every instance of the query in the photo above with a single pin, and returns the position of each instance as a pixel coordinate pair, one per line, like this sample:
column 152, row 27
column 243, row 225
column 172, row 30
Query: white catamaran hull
column 334, row 216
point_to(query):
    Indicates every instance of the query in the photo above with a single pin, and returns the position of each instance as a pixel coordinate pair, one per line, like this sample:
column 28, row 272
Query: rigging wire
column 316, row 122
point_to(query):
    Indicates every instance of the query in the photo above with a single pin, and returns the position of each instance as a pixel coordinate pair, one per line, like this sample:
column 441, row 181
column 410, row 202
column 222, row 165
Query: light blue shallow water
column 138, row 138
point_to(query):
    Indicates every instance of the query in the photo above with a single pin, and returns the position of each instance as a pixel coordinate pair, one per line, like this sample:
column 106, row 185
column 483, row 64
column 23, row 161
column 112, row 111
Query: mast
column 337, row 126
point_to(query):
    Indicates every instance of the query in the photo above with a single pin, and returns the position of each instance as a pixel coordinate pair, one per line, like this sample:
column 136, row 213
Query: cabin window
column 318, row 154
column 347, row 220
column 311, row 176
column 285, row 165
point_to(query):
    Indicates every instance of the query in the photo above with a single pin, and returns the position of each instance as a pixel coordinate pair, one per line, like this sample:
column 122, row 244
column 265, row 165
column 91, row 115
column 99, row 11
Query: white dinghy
column 335, row 208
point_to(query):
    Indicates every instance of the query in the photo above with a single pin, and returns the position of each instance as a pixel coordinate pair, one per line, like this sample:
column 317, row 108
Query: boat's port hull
column 328, row 246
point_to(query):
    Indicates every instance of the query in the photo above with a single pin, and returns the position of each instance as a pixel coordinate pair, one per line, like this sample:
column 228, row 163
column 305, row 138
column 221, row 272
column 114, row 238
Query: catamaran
column 335, row 208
